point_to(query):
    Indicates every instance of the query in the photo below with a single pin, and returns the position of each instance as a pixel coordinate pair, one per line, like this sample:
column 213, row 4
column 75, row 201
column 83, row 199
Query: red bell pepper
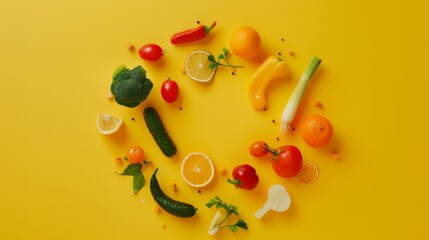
column 192, row 34
column 245, row 177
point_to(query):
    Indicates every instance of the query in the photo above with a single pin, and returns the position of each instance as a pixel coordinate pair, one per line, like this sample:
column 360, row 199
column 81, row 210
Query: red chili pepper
column 192, row 34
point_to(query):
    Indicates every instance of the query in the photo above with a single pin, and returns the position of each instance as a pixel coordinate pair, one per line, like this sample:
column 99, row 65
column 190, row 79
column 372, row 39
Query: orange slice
column 197, row 169
column 309, row 173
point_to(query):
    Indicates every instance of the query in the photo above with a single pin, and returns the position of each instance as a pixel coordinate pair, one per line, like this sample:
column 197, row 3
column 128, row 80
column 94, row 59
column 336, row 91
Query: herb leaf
column 132, row 169
column 138, row 182
column 241, row 224
column 215, row 63
column 230, row 209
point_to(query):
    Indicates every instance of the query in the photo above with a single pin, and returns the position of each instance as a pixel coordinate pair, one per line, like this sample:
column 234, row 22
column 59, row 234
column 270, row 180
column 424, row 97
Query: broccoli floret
column 130, row 87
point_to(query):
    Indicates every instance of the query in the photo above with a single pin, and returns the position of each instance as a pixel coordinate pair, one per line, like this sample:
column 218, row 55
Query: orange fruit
column 245, row 42
column 316, row 131
column 197, row 169
column 309, row 173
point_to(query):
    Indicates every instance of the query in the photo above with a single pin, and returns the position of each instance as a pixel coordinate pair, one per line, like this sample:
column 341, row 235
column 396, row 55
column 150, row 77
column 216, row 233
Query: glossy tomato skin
column 288, row 162
column 258, row 149
column 135, row 154
column 245, row 177
column 151, row 52
column 169, row 91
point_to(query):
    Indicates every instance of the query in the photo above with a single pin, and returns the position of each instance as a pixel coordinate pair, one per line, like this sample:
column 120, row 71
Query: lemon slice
column 197, row 66
column 108, row 124
column 197, row 169
column 309, row 173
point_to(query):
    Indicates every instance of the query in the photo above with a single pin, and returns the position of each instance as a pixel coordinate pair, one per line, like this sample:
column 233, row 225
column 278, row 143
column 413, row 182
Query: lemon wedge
column 197, row 66
column 108, row 124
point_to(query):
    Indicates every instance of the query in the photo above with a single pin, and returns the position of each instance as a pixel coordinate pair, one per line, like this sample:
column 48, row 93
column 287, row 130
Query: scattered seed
column 164, row 226
column 157, row 209
column 334, row 155
column 265, row 109
column 233, row 73
column 282, row 39
column 279, row 53
column 183, row 70
column 274, row 121
column 181, row 108
column 222, row 170
column 132, row 119
column 118, row 160
column 131, row 46
column 318, row 104
column 109, row 96
column 290, row 52
column 198, row 22
column 199, row 191
column 277, row 138
column 173, row 187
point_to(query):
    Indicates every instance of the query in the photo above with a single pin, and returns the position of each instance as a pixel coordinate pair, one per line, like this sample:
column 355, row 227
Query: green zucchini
column 159, row 134
column 174, row 207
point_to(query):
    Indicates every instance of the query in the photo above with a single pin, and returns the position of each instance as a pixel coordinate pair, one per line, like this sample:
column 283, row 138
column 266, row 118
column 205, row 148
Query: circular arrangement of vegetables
column 130, row 87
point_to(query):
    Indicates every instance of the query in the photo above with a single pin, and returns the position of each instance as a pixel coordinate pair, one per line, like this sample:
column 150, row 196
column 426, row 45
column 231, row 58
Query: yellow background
column 57, row 171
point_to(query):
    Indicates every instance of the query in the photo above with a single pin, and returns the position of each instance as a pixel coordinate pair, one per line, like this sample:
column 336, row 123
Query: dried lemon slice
column 197, row 66
column 197, row 169
column 108, row 124
column 309, row 173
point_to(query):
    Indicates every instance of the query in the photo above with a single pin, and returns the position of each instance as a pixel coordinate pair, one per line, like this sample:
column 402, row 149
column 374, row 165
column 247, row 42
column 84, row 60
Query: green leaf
column 138, row 182
column 233, row 228
column 211, row 203
column 211, row 58
column 241, row 224
column 213, row 65
column 221, row 56
column 132, row 169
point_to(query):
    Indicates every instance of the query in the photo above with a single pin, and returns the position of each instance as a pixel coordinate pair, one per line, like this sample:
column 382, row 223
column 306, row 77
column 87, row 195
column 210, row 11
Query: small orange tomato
column 316, row 131
column 135, row 154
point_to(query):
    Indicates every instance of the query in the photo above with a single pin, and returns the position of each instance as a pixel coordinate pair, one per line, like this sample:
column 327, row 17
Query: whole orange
column 245, row 42
column 317, row 131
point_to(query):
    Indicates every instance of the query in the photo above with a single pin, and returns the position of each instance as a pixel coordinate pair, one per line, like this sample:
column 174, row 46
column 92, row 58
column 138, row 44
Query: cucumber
column 159, row 134
column 174, row 207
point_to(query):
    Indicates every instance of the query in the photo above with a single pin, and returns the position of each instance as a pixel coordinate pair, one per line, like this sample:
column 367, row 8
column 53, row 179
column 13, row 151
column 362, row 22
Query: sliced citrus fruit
column 309, row 173
column 197, row 66
column 108, row 124
column 197, row 169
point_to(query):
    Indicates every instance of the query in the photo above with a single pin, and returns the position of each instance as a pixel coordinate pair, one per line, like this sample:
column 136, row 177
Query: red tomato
column 244, row 177
column 151, row 52
column 288, row 162
column 169, row 90
column 258, row 149
column 135, row 154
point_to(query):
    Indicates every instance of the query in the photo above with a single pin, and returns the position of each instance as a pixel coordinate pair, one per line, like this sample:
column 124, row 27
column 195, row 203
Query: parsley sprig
column 230, row 209
column 222, row 57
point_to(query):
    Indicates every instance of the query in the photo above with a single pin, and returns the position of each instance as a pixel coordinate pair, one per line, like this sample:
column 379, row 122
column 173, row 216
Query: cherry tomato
column 151, row 52
column 258, row 149
column 244, row 177
column 169, row 90
column 135, row 154
column 288, row 162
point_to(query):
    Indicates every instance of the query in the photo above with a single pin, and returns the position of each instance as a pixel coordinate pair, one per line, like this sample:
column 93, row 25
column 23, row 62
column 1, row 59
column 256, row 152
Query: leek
column 292, row 105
